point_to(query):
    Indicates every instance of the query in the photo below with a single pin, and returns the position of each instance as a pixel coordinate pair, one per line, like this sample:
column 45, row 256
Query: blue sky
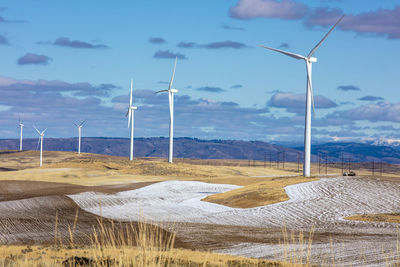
column 65, row 61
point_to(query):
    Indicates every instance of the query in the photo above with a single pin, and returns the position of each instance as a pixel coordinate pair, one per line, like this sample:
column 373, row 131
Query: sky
column 67, row 61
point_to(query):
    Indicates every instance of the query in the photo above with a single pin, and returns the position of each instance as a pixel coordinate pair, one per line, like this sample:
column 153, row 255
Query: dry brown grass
column 383, row 217
column 257, row 194
column 145, row 245
column 124, row 256
column 262, row 185
column 92, row 169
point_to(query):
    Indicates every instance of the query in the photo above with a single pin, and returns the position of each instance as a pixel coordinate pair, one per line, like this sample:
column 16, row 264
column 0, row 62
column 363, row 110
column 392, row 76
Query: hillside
column 158, row 147
column 214, row 149
column 357, row 152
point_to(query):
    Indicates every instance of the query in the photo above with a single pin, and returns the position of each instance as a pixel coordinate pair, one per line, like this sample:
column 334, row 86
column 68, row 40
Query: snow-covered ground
column 177, row 201
column 322, row 203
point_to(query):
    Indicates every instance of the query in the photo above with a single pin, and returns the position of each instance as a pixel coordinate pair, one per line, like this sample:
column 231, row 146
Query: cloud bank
column 33, row 59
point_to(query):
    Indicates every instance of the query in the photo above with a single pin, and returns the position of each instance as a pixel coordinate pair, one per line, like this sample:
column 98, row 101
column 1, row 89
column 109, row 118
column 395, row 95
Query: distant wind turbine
column 130, row 113
column 171, row 113
column 20, row 138
column 79, row 126
column 309, row 96
column 41, row 134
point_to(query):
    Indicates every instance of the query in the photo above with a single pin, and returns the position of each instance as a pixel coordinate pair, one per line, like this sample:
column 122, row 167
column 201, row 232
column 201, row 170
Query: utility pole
column 298, row 162
column 342, row 162
column 265, row 159
column 270, row 160
column 326, row 164
column 381, row 169
column 349, row 165
column 283, row 159
column 319, row 163
column 373, row 168
column 277, row 159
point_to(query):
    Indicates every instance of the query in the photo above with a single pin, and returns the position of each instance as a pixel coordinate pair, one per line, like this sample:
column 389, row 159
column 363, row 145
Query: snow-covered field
column 322, row 203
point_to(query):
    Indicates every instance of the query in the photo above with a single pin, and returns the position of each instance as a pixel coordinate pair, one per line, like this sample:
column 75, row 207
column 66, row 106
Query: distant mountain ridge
column 356, row 152
column 158, row 147
column 214, row 149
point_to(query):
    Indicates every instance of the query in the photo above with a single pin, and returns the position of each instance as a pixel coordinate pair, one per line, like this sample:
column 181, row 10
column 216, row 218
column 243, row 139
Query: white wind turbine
column 130, row 114
column 171, row 113
column 309, row 96
column 20, row 138
column 79, row 126
column 41, row 134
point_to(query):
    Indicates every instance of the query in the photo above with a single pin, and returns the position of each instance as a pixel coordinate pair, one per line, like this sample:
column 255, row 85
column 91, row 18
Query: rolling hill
column 214, row 149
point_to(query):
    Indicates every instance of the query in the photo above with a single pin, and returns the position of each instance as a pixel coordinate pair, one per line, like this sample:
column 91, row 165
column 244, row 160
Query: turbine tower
column 309, row 96
column 130, row 113
column 41, row 134
column 79, row 126
column 171, row 113
column 20, row 138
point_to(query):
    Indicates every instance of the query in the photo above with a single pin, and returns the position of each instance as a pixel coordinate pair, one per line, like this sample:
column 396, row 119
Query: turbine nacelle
column 312, row 59
column 80, row 125
column 40, row 133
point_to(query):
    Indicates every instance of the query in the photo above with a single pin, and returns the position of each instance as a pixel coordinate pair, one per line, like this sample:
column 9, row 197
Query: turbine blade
column 36, row 129
column 311, row 88
column 37, row 147
column 130, row 100
column 312, row 101
column 323, row 39
column 161, row 91
column 43, row 132
column 129, row 117
column 173, row 75
column 293, row 55
column 19, row 118
column 75, row 124
column 83, row 122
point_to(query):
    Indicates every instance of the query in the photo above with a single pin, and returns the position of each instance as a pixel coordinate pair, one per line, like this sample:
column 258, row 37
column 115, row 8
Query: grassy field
column 261, row 183
column 94, row 170
column 383, row 217
column 261, row 186
column 142, row 244
column 122, row 256
column 91, row 169
column 257, row 194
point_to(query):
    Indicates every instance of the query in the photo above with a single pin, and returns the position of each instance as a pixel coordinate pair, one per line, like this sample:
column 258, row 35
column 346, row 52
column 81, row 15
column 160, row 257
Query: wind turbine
column 130, row 113
column 171, row 113
column 309, row 96
column 20, row 138
column 79, row 126
column 41, row 134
